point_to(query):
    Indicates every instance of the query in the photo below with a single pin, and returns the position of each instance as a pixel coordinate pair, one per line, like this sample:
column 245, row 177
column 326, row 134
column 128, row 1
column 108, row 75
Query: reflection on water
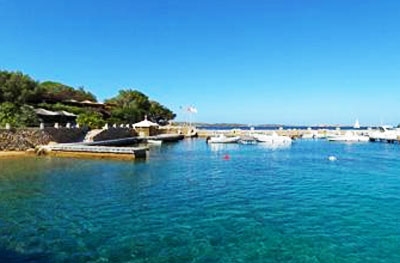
column 275, row 145
column 216, row 147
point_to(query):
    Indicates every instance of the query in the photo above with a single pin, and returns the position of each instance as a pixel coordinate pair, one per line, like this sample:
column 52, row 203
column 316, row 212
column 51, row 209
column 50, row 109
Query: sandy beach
column 9, row 154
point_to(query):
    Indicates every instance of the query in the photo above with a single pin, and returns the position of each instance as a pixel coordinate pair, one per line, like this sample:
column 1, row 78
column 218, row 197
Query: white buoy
column 332, row 158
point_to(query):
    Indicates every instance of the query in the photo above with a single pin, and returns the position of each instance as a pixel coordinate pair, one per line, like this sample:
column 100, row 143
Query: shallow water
column 193, row 202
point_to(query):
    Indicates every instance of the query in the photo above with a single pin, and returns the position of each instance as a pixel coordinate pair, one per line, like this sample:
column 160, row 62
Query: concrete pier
column 68, row 150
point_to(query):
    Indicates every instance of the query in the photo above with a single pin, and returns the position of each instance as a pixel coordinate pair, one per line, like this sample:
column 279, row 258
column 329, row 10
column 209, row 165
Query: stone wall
column 23, row 139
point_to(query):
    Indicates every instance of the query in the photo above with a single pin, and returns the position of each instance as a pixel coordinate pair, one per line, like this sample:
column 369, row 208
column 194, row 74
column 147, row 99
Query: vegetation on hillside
column 130, row 106
column 91, row 119
column 20, row 95
column 54, row 91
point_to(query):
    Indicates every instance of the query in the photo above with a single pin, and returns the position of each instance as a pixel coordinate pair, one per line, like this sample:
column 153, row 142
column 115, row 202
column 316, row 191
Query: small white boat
column 308, row 136
column 221, row 138
column 385, row 133
column 191, row 133
column 154, row 142
column 247, row 140
column 349, row 136
column 272, row 138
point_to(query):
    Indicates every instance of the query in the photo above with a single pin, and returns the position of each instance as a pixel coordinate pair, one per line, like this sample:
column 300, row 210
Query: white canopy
column 66, row 113
column 46, row 112
column 145, row 124
column 41, row 111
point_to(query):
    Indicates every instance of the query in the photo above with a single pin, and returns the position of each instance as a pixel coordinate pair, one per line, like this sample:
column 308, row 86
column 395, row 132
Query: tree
column 17, row 116
column 55, row 91
column 18, row 88
column 92, row 119
column 159, row 113
column 130, row 106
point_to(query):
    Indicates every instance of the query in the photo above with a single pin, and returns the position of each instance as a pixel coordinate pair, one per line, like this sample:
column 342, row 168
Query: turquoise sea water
column 192, row 202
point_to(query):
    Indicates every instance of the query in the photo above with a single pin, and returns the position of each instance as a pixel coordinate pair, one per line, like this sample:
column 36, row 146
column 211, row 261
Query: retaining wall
column 25, row 138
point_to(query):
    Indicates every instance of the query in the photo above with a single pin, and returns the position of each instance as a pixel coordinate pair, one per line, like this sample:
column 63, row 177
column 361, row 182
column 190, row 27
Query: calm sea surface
column 192, row 202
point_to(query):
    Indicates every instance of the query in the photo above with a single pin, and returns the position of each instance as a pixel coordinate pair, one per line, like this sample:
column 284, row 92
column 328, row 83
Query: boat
column 308, row 135
column 154, row 142
column 272, row 138
column 221, row 138
column 385, row 133
column 191, row 133
column 247, row 140
column 349, row 136
column 356, row 125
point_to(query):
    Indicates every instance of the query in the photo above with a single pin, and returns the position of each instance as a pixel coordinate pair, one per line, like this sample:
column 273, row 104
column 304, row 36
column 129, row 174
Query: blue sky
column 253, row 62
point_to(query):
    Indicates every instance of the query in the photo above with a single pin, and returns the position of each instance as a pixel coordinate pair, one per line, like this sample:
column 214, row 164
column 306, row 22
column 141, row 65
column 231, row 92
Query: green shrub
column 91, row 119
column 23, row 116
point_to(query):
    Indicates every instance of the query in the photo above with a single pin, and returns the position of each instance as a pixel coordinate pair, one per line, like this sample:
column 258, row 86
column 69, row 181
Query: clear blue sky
column 252, row 62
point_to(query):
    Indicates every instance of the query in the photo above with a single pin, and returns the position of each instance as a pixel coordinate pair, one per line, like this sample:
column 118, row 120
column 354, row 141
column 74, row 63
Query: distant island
column 260, row 126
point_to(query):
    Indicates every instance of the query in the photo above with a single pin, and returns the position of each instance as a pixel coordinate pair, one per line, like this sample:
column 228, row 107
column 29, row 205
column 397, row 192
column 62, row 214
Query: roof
column 87, row 102
column 54, row 113
column 145, row 123
column 66, row 113
column 46, row 112
column 91, row 102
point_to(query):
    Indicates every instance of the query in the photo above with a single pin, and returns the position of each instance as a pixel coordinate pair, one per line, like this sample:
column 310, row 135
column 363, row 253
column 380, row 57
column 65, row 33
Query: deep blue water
column 192, row 202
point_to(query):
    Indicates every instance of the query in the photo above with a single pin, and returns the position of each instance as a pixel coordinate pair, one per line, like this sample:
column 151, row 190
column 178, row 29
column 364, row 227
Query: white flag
column 192, row 109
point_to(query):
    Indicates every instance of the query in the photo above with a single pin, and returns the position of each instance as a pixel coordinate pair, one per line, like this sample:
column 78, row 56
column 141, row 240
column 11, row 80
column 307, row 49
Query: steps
column 91, row 134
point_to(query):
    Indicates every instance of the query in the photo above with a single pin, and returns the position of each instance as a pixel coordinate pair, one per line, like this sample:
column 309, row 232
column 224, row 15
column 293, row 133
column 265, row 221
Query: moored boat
column 272, row 138
column 154, row 142
column 385, row 133
column 221, row 138
column 349, row 136
column 247, row 140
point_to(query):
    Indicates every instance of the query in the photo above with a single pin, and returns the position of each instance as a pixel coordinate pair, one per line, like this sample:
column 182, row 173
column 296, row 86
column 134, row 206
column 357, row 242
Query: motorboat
column 154, row 142
column 222, row 138
column 247, row 140
column 272, row 138
column 191, row 133
column 385, row 133
column 349, row 136
column 308, row 136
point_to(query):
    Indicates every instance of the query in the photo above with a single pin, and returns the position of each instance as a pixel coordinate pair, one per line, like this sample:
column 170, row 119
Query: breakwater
column 293, row 133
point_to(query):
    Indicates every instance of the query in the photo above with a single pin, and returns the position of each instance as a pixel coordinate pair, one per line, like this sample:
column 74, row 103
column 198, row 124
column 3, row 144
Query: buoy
column 332, row 158
column 226, row 157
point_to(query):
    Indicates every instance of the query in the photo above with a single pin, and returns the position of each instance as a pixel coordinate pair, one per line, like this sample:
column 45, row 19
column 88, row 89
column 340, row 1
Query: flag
column 192, row 109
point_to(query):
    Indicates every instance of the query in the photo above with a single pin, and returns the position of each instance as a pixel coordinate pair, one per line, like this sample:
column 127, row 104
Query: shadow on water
column 10, row 256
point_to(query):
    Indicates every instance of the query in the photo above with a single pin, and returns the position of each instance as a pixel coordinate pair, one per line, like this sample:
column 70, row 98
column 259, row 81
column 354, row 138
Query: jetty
column 110, row 149
column 79, row 150
column 133, row 140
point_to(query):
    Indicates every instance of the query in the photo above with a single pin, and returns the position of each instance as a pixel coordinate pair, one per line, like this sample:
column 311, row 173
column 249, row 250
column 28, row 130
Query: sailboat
column 356, row 125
